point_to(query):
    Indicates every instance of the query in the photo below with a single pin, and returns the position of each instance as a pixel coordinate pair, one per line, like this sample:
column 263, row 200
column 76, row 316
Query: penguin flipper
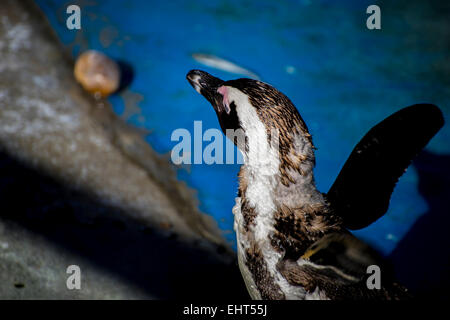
column 362, row 190
column 344, row 252
column 335, row 267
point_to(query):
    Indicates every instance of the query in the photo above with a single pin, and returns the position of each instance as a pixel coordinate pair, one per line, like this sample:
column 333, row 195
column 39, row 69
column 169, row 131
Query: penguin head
column 254, row 108
column 212, row 89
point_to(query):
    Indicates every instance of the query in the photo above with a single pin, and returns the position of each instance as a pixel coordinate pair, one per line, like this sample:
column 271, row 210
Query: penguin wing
column 336, row 267
column 362, row 190
column 343, row 252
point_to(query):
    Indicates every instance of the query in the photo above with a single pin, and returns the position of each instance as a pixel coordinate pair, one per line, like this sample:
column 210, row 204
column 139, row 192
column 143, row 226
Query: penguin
column 294, row 242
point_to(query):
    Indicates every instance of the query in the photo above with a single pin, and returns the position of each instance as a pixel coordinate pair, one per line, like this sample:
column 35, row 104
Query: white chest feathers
column 261, row 171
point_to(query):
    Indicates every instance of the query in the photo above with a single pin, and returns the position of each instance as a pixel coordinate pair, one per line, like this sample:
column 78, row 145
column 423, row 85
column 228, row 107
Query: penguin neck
column 281, row 175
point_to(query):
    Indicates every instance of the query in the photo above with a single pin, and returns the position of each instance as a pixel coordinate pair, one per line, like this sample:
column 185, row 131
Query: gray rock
column 79, row 186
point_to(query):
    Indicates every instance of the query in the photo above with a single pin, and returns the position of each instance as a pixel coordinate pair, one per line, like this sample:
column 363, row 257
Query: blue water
column 343, row 78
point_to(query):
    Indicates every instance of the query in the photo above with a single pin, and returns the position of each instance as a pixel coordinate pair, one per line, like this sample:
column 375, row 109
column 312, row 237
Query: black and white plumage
column 293, row 241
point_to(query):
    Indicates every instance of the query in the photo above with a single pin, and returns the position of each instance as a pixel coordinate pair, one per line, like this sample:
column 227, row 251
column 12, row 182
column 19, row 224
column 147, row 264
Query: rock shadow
column 151, row 259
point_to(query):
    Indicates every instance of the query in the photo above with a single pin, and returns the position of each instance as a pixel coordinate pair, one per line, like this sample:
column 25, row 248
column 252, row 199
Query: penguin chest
column 241, row 251
column 262, row 279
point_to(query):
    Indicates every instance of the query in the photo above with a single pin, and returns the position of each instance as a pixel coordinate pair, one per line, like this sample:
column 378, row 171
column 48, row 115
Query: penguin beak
column 207, row 86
